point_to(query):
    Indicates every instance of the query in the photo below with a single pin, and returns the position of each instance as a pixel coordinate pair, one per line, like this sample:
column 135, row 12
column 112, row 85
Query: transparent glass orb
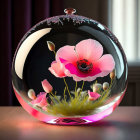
column 69, row 70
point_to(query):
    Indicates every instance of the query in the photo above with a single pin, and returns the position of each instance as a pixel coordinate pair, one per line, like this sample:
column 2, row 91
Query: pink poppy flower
column 46, row 86
column 41, row 100
column 93, row 95
column 85, row 61
column 57, row 69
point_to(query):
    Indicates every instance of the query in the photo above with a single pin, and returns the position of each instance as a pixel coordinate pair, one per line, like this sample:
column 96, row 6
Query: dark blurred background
column 121, row 17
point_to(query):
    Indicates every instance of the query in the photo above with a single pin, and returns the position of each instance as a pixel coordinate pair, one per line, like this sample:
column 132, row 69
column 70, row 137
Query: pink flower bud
column 31, row 94
column 112, row 74
column 96, row 87
column 47, row 86
column 105, row 85
column 51, row 46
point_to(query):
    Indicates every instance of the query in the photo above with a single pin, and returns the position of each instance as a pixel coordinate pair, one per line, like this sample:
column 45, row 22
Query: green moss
column 79, row 105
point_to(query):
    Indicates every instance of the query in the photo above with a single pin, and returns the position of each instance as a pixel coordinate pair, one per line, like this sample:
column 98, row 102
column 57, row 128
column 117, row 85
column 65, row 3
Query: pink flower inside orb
column 46, row 86
column 93, row 95
column 57, row 69
column 85, row 61
column 41, row 100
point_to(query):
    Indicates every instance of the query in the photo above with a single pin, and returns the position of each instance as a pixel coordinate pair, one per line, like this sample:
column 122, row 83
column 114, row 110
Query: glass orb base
column 68, row 121
column 83, row 120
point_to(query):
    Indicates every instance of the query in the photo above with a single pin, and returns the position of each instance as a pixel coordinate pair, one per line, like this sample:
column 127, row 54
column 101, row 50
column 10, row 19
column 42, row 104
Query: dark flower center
column 84, row 65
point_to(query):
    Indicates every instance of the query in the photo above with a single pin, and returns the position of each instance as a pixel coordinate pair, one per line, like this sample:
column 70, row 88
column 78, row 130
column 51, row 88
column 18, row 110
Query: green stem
column 65, row 93
column 67, row 87
column 76, row 93
column 52, row 93
column 76, row 87
column 54, row 96
column 54, row 53
column 82, row 86
column 111, row 82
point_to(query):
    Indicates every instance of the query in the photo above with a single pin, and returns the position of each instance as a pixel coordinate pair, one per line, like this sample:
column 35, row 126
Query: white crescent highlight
column 25, row 49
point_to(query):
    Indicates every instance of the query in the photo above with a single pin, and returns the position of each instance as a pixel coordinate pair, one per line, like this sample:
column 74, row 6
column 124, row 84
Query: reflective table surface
column 122, row 124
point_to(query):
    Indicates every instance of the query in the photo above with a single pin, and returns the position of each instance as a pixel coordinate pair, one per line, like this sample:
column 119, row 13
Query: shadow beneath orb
column 113, row 123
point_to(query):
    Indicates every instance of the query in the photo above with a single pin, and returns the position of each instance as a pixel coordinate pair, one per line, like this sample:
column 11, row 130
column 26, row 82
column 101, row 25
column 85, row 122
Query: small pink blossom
column 57, row 69
column 41, row 100
column 85, row 61
column 46, row 86
column 44, row 108
column 93, row 95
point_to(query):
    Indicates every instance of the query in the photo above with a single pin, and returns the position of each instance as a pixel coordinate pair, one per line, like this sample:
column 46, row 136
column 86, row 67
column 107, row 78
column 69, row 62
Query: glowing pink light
column 58, row 120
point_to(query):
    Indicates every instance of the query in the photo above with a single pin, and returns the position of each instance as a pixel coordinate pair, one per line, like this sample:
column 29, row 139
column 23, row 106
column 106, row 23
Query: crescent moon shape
column 25, row 49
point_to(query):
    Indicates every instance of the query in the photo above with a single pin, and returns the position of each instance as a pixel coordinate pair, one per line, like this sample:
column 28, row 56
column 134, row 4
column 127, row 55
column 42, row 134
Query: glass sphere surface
column 69, row 70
